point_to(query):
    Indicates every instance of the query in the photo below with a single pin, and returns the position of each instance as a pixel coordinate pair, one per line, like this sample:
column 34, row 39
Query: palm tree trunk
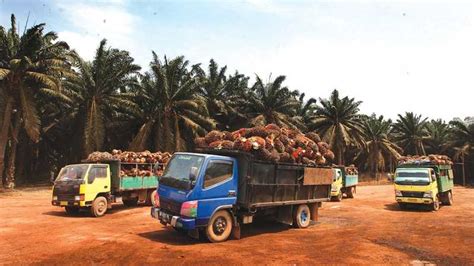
column 10, row 180
column 4, row 135
column 463, row 170
column 177, row 135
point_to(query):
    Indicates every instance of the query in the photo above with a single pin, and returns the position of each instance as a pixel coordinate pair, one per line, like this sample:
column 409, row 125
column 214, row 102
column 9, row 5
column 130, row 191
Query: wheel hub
column 219, row 226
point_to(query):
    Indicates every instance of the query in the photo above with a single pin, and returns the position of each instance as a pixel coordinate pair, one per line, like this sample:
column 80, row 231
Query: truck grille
column 170, row 206
column 412, row 194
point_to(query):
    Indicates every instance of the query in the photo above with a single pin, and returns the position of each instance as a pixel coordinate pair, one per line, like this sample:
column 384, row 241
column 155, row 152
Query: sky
column 395, row 56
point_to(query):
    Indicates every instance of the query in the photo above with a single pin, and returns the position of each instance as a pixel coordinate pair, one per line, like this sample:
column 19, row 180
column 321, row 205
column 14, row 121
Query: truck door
column 218, row 187
column 98, row 181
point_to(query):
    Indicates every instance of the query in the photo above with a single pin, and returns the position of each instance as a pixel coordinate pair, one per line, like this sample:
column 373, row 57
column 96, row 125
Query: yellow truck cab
column 345, row 180
column 427, row 184
column 95, row 186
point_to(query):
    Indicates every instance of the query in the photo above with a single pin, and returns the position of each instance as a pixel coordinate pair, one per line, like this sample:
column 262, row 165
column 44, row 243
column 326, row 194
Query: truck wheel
column 99, row 207
column 449, row 198
column 350, row 193
column 302, row 217
column 339, row 196
column 131, row 202
column 152, row 198
column 219, row 227
column 435, row 204
column 72, row 210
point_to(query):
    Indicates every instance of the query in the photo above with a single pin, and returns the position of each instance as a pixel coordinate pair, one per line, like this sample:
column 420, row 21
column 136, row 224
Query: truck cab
column 336, row 187
column 427, row 185
column 83, row 185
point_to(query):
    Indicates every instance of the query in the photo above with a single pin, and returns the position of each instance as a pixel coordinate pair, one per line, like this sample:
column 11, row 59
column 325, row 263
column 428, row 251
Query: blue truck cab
column 214, row 192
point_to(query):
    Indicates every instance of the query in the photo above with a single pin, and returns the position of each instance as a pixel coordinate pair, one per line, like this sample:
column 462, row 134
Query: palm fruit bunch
column 271, row 143
column 425, row 159
column 144, row 158
column 352, row 170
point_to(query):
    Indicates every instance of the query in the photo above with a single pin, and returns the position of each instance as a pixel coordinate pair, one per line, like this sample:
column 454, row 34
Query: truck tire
column 302, row 216
column 338, row 197
column 435, row 205
column 70, row 210
column 350, row 192
column 130, row 202
column 99, row 207
column 152, row 198
column 449, row 198
column 219, row 227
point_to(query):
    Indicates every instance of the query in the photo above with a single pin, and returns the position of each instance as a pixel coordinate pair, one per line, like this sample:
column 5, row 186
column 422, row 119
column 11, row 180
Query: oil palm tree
column 269, row 102
column 31, row 66
column 99, row 94
column 379, row 148
column 338, row 121
column 306, row 110
column 438, row 136
column 410, row 133
column 172, row 108
column 462, row 142
column 221, row 93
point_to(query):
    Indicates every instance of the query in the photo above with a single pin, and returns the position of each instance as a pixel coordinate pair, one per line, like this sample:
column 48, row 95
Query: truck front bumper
column 414, row 200
column 173, row 220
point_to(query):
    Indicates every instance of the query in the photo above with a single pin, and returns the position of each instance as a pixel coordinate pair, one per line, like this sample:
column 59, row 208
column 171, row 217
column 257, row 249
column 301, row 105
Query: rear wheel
column 350, row 193
column 219, row 227
column 435, row 204
column 131, row 202
column 449, row 198
column 302, row 216
column 72, row 210
column 99, row 207
column 152, row 198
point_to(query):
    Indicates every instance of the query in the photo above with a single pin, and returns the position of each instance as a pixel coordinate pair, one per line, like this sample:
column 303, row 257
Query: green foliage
column 411, row 133
column 339, row 122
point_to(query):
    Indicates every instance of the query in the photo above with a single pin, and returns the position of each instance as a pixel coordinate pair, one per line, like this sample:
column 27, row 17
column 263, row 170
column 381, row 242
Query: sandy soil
column 367, row 229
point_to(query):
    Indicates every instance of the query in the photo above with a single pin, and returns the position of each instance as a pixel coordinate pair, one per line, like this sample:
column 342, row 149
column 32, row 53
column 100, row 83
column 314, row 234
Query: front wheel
column 302, row 216
column 72, row 210
column 219, row 227
column 435, row 204
column 99, row 207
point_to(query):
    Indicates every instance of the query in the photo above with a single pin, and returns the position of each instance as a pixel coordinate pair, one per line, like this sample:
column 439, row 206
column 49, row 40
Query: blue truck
column 216, row 191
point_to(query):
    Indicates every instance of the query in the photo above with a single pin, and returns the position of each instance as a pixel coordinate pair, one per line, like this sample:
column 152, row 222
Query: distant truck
column 345, row 182
column 216, row 191
column 95, row 186
column 424, row 183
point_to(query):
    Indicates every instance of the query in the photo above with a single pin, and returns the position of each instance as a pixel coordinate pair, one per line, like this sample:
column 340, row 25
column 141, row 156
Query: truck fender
column 223, row 207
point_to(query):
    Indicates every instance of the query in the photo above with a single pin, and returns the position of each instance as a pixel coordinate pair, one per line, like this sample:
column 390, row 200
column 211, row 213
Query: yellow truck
column 424, row 183
column 344, row 182
column 95, row 186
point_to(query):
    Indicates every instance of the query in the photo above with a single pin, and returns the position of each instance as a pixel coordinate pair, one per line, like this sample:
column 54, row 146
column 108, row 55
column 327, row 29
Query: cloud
column 92, row 22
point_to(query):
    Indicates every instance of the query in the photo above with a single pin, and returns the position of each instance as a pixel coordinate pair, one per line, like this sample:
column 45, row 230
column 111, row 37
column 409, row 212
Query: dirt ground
column 367, row 229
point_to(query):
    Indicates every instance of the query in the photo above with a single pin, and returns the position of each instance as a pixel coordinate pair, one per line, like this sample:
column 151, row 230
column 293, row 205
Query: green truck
column 95, row 186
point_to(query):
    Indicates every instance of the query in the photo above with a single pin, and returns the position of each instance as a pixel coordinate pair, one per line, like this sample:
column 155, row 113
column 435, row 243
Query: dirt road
column 367, row 229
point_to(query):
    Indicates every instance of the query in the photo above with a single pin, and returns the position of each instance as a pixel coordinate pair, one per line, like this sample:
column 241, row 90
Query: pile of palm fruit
column 425, row 159
column 130, row 157
column 271, row 143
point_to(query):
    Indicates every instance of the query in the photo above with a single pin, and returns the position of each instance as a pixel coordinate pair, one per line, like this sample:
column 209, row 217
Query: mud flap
column 236, row 231
column 314, row 210
column 285, row 214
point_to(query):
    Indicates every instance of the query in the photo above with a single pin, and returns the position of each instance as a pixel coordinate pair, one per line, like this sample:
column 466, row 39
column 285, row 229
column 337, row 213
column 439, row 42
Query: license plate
column 63, row 203
column 412, row 200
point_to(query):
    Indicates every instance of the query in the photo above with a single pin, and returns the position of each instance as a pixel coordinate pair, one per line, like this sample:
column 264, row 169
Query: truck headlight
column 79, row 197
column 398, row 193
column 428, row 194
column 55, row 197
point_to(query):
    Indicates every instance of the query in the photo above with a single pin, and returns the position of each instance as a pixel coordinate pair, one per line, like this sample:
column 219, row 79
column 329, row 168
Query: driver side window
column 96, row 172
column 217, row 172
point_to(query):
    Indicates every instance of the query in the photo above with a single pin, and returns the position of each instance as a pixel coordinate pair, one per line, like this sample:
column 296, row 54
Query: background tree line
column 55, row 108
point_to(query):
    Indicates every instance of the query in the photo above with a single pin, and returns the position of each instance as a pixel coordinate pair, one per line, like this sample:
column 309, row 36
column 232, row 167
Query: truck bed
column 264, row 184
column 350, row 180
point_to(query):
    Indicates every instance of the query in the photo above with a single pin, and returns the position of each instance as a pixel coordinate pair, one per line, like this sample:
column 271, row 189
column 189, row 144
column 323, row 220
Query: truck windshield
column 180, row 171
column 73, row 172
column 412, row 177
